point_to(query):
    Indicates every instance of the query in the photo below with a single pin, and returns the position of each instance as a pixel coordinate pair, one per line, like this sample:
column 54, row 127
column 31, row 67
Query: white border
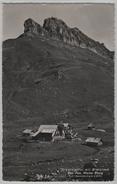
column 57, row 1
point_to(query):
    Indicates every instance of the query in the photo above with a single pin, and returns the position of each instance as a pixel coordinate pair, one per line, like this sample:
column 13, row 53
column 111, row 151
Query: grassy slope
column 47, row 81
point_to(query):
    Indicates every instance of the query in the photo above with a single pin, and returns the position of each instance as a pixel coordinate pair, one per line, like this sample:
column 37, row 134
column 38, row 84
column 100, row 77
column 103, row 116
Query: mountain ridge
column 57, row 29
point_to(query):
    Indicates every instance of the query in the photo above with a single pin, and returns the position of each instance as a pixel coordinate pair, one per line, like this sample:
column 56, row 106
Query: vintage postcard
column 58, row 92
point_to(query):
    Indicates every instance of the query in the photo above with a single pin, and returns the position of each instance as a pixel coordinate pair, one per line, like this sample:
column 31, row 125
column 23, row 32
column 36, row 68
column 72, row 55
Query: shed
column 46, row 132
column 27, row 132
column 91, row 126
column 92, row 141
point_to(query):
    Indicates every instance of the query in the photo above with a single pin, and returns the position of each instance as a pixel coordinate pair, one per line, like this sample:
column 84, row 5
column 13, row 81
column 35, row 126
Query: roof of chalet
column 93, row 139
column 46, row 129
column 27, row 131
column 66, row 124
column 90, row 125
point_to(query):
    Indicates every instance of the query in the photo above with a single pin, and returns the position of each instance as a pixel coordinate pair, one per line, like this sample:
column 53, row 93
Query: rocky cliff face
column 31, row 28
column 57, row 29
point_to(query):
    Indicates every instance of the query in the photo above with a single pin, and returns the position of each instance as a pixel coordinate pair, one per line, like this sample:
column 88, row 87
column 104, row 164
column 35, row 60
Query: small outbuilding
column 92, row 141
column 27, row 132
column 91, row 126
column 66, row 130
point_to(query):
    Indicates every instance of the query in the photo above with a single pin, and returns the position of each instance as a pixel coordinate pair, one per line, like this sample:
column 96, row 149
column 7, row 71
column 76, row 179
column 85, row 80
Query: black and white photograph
column 58, row 92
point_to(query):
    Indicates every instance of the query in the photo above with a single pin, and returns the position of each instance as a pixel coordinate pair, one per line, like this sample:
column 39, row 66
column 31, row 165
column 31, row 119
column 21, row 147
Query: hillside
column 46, row 80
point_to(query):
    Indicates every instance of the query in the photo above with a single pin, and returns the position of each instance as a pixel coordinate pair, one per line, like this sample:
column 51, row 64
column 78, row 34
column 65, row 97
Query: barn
column 46, row 133
column 91, row 126
column 92, row 141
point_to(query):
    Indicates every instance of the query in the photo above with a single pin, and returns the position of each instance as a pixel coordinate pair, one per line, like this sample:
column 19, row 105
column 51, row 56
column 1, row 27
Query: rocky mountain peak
column 32, row 28
column 54, row 25
column 58, row 30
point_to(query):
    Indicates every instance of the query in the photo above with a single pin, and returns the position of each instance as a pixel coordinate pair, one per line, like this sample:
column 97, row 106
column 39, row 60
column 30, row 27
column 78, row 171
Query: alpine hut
column 46, row 133
column 92, row 141
column 91, row 126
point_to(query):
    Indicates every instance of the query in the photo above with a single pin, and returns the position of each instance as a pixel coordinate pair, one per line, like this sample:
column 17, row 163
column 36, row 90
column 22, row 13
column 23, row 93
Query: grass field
column 21, row 157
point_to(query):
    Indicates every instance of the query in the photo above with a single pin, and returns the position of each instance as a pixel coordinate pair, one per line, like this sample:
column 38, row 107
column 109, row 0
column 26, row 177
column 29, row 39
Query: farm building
column 51, row 132
column 27, row 132
column 92, row 141
column 65, row 126
column 47, row 133
column 66, row 130
column 91, row 126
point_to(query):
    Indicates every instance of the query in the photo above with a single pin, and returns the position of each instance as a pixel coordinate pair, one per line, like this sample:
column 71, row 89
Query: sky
column 95, row 20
